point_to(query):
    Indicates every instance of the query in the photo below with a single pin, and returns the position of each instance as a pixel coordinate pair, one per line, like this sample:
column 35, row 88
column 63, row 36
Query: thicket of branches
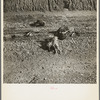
column 49, row 5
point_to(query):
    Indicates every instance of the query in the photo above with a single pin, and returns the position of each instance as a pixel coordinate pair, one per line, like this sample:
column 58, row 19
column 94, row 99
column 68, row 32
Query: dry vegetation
column 48, row 5
column 27, row 61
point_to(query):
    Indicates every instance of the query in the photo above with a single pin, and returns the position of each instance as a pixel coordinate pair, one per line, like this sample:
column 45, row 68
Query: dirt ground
column 27, row 61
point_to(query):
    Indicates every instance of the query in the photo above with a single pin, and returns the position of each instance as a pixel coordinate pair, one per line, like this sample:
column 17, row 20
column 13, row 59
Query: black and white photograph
column 50, row 41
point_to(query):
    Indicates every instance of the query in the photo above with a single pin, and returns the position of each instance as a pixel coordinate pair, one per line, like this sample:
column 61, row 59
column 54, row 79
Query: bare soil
column 27, row 61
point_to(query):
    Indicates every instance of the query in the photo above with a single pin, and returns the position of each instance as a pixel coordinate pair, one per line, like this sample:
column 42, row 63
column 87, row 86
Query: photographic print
column 50, row 41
